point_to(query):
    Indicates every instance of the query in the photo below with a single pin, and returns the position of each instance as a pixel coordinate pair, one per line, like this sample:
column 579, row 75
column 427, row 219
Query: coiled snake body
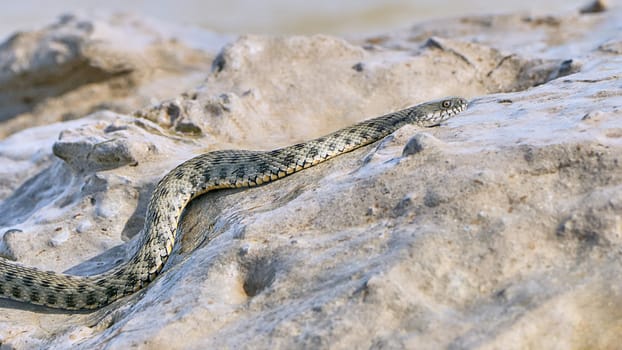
column 207, row 172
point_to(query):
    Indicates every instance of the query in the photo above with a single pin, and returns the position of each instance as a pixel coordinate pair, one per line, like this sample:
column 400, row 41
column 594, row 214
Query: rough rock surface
column 77, row 66
column 500, row 229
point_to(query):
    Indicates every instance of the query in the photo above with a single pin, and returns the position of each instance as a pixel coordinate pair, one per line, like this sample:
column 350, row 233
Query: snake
column 221, row 169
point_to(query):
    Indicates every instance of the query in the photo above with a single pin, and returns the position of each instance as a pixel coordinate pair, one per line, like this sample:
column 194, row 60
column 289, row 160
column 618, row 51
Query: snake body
column 194, row 177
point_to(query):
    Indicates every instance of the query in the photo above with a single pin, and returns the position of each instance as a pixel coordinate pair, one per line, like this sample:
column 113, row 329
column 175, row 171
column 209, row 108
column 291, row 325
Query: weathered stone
column 499, row 229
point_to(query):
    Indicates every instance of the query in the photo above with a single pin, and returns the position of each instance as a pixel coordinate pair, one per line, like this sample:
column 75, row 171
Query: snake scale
column 194, row 177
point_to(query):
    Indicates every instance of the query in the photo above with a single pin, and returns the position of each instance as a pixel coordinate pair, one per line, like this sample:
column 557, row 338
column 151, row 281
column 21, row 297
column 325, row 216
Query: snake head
column 435, row 112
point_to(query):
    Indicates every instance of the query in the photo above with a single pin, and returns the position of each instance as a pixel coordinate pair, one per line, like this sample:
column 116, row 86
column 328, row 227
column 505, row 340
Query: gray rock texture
column 501, row 229
column 77, row 66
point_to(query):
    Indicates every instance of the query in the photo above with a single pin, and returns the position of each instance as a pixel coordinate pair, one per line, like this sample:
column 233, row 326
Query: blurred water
column 274, row 16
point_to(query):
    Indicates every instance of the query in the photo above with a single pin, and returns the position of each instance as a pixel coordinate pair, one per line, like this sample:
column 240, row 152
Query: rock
column 419, row 143
column 498, row 229
column 594, row 7
column 76, row 66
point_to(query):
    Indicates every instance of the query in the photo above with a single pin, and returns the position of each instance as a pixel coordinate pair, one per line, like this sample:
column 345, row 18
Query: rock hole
column 219, row 63
column 259, row 275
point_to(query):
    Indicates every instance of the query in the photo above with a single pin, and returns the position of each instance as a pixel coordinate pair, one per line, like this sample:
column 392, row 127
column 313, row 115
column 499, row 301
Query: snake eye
column 446, row 103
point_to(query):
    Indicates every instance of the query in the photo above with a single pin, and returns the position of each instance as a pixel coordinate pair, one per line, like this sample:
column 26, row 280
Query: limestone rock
column 499, row 229
column 78, row 66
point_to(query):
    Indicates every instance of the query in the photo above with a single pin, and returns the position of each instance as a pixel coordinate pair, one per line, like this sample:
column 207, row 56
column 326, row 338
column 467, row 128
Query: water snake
column 211, row 171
